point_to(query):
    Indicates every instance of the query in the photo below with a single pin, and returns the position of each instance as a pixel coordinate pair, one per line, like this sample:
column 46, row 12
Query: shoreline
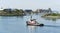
column 51, row 16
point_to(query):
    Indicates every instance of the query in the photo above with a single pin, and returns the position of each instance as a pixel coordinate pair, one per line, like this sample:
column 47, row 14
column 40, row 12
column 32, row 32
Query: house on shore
column 44, row 10
column 28, row 11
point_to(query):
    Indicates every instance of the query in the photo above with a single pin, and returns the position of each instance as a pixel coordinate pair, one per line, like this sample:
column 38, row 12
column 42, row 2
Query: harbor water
column 17, row 24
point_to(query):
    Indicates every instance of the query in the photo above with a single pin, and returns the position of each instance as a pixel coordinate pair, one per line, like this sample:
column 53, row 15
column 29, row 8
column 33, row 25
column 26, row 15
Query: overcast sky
column 31, row 4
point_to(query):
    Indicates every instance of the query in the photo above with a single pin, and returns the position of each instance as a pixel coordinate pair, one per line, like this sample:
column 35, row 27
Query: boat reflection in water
column 32, row 29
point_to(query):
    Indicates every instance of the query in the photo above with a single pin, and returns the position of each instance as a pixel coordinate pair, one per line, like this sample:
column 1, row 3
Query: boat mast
column 31, row 15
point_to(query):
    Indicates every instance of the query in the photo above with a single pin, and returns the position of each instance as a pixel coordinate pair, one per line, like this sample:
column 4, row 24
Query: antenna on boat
column 31, row 15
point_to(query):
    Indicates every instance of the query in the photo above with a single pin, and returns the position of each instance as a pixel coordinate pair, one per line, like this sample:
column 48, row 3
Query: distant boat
column 33, row 22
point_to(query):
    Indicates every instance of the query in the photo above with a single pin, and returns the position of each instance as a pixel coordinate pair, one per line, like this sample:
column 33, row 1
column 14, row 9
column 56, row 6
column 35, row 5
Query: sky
column 31, row 4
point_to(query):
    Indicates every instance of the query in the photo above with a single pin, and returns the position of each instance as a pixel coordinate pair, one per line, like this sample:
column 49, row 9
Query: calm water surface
column 14, row 24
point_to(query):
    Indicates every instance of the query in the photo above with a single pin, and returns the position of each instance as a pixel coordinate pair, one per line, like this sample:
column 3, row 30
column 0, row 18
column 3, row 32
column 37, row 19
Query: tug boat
column 33, row 22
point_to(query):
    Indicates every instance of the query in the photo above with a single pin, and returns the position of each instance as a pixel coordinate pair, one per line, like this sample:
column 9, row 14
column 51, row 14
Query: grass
column 52, row 15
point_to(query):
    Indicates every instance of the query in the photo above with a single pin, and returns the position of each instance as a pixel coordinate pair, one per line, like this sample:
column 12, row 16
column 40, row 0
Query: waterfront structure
column 44, row 10
column 27, row 11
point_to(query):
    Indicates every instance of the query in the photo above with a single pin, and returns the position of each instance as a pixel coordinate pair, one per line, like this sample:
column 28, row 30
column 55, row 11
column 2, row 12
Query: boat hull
column 35, row 24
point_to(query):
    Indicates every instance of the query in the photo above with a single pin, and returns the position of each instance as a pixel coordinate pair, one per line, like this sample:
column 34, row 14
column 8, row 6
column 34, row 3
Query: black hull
column 35, row 25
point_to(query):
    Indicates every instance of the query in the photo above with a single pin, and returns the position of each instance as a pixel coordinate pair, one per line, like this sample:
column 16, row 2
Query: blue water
column 17, row 24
